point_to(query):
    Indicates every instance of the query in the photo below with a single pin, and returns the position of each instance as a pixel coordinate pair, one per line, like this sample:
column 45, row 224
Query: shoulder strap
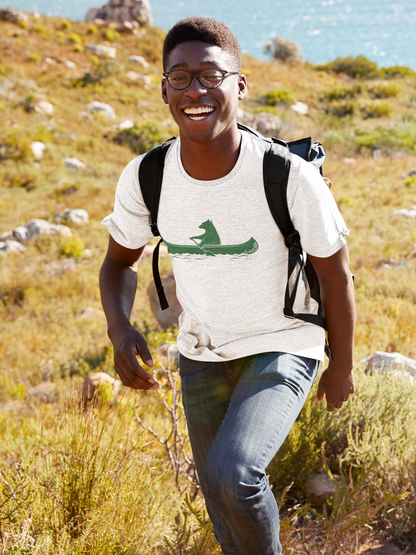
column 276, row 168
column 150, row 180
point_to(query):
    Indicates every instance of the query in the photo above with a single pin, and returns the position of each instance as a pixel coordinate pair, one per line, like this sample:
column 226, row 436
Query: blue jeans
column 238, row 414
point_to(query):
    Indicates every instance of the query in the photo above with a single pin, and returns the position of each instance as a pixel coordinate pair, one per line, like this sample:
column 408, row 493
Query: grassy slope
column 39, row 328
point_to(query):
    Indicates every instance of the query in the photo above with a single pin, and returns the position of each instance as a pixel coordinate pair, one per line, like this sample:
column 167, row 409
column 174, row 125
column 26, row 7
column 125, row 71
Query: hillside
column 49, row 74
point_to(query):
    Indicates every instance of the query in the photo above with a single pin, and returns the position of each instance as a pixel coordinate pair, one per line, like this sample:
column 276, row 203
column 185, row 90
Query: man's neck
column 211, row 160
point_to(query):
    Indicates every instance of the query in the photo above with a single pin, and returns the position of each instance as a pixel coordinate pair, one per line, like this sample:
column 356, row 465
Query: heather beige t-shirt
column 228, row 255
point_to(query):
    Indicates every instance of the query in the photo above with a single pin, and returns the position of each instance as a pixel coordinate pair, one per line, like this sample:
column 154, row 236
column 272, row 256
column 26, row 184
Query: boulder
column 390, row 361
column 42, row 227
column 70, row 64
column 265, row 123
column 128, row 27
column 300, row 108
column 44, row 107
column 14, row 16
column 91, row 386
column 138, row 60
column 408, row 174
column 122, row 10
column 7, row 236
column 145, row 79
column 165, row 318
column 37, row 149
column 410, row 213
column 11, row 246
column 319, row 488
column 76, row 216
column 103, row 108
column 21, row 234
column 102, row 50
column 45, row 392
column 74, row 164
column 125, row 124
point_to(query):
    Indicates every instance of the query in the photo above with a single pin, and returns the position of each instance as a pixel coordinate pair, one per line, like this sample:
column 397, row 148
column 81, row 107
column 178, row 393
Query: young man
column 246, row 370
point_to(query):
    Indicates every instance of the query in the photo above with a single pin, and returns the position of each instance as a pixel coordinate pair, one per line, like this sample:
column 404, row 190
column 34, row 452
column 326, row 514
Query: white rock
column 15, row 16
column 103, row 108
column 7, row 236
column 265, row 123
column 44, row 107
column 37, row 149
column 42, row 227
column 390, row 361
column 410, row 213
column 138, row 60
column 102, row 50
column 11, row 246
column 49, row 61
column 77, row 216
column 145, row 79
column 320, row 487
column 125, row 124
column 70, row 64
column 21, row 234
column 74, row 164
column 300, row 108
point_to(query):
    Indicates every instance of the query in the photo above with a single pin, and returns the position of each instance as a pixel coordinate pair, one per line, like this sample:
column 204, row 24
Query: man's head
column 203, row 29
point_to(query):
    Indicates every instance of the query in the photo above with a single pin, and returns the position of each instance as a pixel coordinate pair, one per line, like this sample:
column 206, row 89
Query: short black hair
column 202, row 29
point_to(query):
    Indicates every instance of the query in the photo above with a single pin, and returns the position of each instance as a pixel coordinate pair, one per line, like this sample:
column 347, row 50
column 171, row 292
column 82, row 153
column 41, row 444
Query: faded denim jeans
column 239, row 413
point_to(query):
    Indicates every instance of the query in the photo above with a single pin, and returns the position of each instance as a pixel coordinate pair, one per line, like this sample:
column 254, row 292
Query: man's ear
column 242, row 86
column 164, row 87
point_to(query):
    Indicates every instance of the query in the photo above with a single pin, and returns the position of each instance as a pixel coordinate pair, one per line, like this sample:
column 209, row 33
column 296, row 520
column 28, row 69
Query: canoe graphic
column 209, row 244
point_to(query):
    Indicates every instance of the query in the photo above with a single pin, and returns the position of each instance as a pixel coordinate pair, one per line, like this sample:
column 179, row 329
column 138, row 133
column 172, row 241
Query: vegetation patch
column 142, row 137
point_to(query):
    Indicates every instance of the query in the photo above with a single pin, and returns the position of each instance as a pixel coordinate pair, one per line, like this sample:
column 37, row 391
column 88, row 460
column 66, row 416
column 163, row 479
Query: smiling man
column 246, row 369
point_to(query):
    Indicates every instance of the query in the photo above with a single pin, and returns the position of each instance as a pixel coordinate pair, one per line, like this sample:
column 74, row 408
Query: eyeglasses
column 208, row 78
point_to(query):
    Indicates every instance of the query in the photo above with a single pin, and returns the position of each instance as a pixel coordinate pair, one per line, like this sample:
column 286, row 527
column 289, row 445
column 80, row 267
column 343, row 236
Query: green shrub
column 22, row 180
column 385, row 90
column 34, row 58
column 98, row 72
column 397, row 71
column 15, row 147
column 17, row 391
column 284, row 50
column 402, row 135
column 342, row 93
column 23, row 24
column 377, row 109
column 92, row 29
column 65, row 24
column 412, row 102
column 78, row 48
column 410, row 181
column 270, row 109
column 72, row 247
column 141, row 137
column 342, row 109
column 355, row 67
column 75, row 38
column 111, row 34
column 5, row 70
column 278, row 96
column 39, row 27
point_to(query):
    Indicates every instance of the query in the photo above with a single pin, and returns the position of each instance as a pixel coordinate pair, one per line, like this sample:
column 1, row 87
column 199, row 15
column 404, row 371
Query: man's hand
column 336, row 386
column 128, row 344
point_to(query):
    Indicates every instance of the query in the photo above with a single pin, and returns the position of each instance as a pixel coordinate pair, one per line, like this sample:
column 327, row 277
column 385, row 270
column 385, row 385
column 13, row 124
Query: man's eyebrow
column 184, row 65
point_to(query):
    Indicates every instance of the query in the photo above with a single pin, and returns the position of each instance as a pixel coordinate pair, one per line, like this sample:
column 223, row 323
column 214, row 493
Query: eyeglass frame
column 223, row 72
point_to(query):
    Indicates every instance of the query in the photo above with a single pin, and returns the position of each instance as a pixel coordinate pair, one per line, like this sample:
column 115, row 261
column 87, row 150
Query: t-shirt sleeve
column 129, row 225
column 314, row 212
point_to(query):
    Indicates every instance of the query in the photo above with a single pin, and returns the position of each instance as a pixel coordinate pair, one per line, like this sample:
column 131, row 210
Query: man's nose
column 195, row 88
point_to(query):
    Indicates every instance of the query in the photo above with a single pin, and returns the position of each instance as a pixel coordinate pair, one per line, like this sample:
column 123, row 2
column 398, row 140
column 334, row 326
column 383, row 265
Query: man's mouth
column 199, row 113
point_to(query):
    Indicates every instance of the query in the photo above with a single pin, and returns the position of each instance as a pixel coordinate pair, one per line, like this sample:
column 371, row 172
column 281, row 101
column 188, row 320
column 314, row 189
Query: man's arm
column 337, row 294
column 118, row 283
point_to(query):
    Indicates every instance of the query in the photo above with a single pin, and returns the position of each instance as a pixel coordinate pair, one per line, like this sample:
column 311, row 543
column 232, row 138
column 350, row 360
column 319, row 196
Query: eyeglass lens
column 181, row 79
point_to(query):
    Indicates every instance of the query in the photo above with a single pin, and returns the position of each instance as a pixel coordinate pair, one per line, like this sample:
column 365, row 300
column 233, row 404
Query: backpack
column 276, row 167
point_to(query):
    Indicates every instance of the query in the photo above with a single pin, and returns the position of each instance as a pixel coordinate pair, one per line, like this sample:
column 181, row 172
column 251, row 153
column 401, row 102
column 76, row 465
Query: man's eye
column 212, row 75
column 178, row 77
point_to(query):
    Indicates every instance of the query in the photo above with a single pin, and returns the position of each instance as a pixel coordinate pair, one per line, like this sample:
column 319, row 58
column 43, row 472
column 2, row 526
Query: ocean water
column 382, row 30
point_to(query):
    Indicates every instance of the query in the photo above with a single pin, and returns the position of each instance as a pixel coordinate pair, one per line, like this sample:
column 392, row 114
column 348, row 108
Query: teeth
column 199, row 110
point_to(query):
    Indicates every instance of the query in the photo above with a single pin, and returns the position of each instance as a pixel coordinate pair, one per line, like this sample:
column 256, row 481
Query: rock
column 390, row 361
column 76, row 216
column 74, row 164
column 127, row 27
column 21, row 234
column 14, row 16
column 90, row 313
column 44, row 107
column 7, row 236
column 92, row 383
column 102, row 50
column 265, row 123
column 145, row 79
column 37, row 149
column 350, row 161
column 410, row 213
column 125, row 124
column 45, row 392
column 138, row 60
column 408, row 174
column 42, row 227
column 70, row 64
column 121, row 11
column 49, row 61
column 103, row 108
column 165, row 318
column 320, row 487
column 60, row 268
column 300, row 108
column 11, row 246
column 171, row 352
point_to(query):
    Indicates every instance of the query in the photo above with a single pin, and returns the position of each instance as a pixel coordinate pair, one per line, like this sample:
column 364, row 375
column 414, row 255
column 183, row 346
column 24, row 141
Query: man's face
column 203, row 114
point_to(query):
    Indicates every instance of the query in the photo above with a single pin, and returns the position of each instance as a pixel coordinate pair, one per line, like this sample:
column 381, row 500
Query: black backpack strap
column 276, row 168
column 150, row 180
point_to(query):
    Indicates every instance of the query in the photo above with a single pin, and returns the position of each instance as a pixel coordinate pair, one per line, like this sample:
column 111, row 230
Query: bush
column 34, row 58
column 72, row 247
column 75, row 38
column 342, row 93
column 92, row 29
column 65, row 24
column 111, row 34
column 98, row 72
column 377, row 109
column 410, row 181
column 397, row 71
column 355, row 67
column 22, row 180
column 342, row 109
column 15, row 147
column 278, row 96
column 385, row 90
column 141, row 137
column 284, row 50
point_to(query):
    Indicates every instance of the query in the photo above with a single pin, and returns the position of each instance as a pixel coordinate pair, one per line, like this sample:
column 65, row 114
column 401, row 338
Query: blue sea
column 382, row 30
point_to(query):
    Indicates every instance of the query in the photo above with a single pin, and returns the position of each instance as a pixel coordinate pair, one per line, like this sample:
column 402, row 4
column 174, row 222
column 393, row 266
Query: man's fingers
column 320, row 395
column 132, row 374
column 143, row 351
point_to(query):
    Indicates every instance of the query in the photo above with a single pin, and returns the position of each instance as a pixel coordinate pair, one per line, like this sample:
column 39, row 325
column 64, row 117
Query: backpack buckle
column 155, row 230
